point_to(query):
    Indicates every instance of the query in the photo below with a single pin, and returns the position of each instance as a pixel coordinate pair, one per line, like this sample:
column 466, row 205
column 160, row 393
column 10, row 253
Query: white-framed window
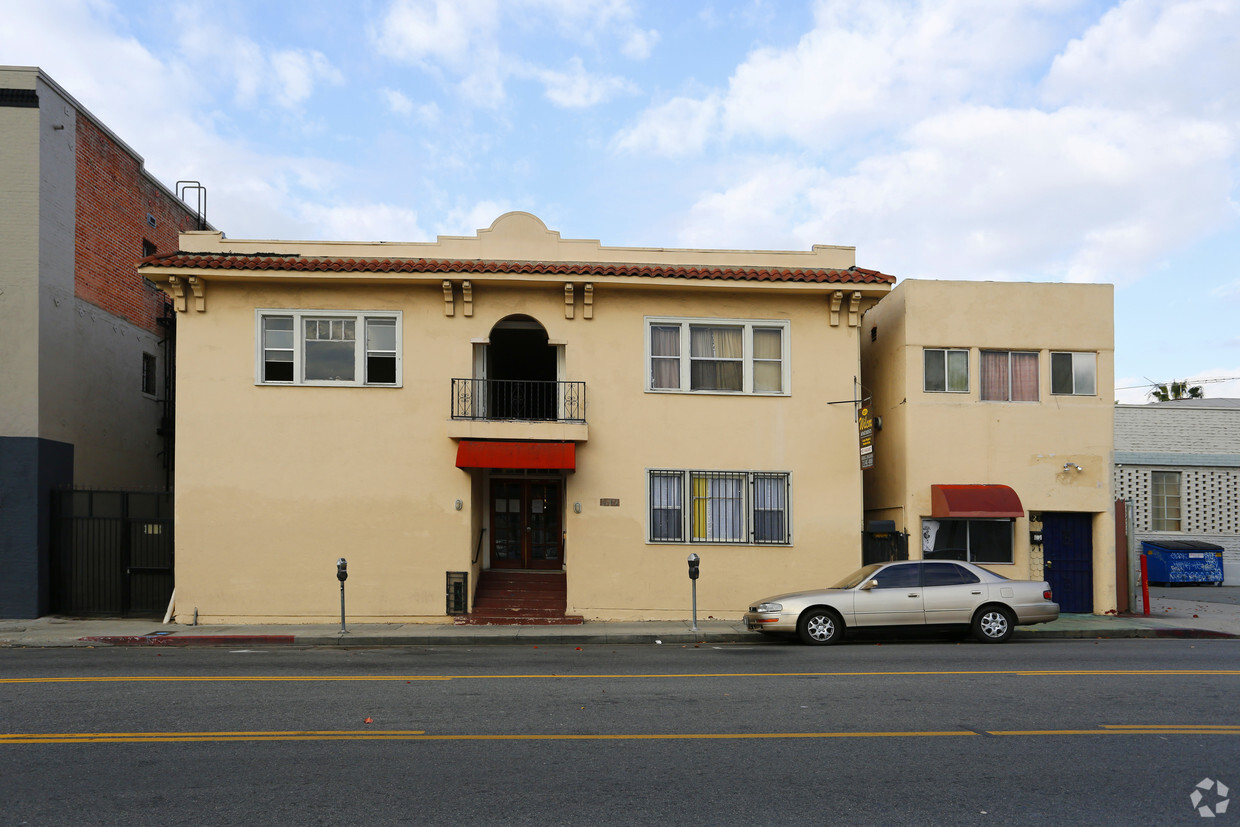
column 717, row 356
column 946, row 370
column 1009, row 376
column 1165, row 500
column 328, row 347
column 973, row 540
column 1074, row 373
column 724, row 507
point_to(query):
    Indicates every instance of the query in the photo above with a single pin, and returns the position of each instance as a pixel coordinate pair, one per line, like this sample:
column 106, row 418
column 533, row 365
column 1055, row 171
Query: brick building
column 83, row 338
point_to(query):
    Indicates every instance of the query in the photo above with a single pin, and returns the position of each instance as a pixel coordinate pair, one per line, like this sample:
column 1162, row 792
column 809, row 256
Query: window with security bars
column 726, row 507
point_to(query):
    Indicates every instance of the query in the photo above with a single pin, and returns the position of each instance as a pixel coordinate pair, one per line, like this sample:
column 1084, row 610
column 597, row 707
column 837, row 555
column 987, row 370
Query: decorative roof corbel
column 568, row 301
column 449, row 304
column 200, row 293
column 836, row 299
column 467, row 297
column 854, row 310
column 177, row 290
column 587, row 302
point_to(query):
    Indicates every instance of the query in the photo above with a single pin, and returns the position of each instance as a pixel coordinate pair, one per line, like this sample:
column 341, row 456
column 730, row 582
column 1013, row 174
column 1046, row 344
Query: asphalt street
column 1104, row 731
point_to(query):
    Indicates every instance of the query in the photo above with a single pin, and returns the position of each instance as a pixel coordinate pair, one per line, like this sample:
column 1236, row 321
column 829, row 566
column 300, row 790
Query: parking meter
column 342, row 574
column 693, row 576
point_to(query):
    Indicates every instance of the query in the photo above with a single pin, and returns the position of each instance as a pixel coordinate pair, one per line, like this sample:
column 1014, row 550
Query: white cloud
column 679, row 127
column 464, row 42
column 914, row 132
column 979, row 192
column 1227, row 291
column 397, row 101
column 1137, row 55
column 451, row 31
column 576, row 88
column 468, row 220
column 364, row 222
column 296, row 72
column 639, row 43
column 285, row 77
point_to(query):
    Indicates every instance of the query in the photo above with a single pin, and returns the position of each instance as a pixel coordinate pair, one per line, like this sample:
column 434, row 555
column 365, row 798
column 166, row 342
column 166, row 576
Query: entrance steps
column 509, row 598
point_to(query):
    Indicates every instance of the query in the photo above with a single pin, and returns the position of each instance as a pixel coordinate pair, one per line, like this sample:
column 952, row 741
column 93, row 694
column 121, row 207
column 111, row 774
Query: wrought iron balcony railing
column 520, row 400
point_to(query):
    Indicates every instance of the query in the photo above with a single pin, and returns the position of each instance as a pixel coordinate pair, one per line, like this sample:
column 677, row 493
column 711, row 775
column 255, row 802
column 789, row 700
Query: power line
column 1185, row 381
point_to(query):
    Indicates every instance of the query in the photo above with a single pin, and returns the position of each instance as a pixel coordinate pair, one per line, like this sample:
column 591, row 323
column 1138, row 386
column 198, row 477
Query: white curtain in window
column 665, row 357
column 767, row 367
column 717, row 353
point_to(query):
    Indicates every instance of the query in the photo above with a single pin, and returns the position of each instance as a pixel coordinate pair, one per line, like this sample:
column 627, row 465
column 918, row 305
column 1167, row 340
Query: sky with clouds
column 1034, row 140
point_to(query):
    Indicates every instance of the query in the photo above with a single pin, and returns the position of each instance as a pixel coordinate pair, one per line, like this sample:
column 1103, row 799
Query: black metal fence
column 881, row 543
column 111, row 553
column 518, row 399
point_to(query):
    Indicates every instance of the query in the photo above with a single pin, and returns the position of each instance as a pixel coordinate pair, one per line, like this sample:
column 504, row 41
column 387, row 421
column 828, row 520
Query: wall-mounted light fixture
column 1072, row 466
column 576, row 508
column 459, row 505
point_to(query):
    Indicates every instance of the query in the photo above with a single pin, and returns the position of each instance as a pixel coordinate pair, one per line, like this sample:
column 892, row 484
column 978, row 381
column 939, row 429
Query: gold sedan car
column 908, row 593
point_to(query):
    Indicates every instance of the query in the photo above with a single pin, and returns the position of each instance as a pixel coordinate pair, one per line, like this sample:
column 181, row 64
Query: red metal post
column 1145, row 585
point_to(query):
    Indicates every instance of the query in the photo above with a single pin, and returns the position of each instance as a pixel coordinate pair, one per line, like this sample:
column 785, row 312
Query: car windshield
column 857, row 577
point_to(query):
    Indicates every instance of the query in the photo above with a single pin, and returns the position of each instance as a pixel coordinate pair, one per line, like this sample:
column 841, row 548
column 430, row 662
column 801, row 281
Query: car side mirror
column 869, row 584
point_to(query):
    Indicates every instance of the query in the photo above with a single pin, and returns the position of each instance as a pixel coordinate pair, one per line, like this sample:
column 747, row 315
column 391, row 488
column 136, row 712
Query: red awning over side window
column 974, row 501
column 491, row 454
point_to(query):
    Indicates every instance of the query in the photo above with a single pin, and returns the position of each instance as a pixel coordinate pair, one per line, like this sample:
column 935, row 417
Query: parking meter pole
column 342, row 574
column 694, row 627
column 694, row 572
column 343, row 630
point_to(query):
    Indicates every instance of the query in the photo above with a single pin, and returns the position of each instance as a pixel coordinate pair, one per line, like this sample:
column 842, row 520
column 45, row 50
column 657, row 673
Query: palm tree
column 1176, row 390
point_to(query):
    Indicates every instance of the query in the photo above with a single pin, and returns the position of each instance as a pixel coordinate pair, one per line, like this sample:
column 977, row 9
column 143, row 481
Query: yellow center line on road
column 419, row 735
column 594, row 676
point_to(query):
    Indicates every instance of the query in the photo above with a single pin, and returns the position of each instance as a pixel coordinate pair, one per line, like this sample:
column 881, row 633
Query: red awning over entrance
column 472, row 453
column 974, row 501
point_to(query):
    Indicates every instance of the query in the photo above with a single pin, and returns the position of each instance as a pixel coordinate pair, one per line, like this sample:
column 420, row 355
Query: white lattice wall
column 1209, row 499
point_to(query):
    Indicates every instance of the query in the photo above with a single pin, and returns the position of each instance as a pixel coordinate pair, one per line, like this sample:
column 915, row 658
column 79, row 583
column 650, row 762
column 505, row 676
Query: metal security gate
column 1068, row 559
column 111, row 553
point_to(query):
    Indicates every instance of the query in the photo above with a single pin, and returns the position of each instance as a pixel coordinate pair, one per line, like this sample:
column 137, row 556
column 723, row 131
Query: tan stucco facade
column 1055, row 453
column 275, row 482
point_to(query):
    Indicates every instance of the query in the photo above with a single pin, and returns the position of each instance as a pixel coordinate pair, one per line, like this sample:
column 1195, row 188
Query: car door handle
column 913, row 594
column 977, row 592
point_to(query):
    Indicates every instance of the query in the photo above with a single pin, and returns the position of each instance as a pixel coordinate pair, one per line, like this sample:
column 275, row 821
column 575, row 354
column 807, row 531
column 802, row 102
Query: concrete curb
column 533, row 638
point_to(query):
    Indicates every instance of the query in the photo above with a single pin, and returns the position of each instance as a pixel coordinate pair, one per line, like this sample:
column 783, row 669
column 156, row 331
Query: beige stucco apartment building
column 996, row 438
column 511, row 401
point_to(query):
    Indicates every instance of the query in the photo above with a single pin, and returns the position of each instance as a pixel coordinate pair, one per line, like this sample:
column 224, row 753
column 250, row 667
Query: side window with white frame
column 329, row 347
column 1165, row 500
column 723, row 507
column 717, row 356
column 1074, row 374
column 946, row 370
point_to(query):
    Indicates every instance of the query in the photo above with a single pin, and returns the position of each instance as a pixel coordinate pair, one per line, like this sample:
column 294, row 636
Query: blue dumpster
column 1182, row 561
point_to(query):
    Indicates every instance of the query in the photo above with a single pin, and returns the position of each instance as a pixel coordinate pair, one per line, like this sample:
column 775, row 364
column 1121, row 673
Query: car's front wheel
column 993, row 624
column 820, row 627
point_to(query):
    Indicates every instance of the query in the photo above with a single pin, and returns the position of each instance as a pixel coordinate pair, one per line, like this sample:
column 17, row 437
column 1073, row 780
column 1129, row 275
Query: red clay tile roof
column 277, row 261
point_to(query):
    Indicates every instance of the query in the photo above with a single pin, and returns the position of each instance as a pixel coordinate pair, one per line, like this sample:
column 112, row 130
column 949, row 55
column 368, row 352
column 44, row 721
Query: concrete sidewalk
column 1199, row 612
